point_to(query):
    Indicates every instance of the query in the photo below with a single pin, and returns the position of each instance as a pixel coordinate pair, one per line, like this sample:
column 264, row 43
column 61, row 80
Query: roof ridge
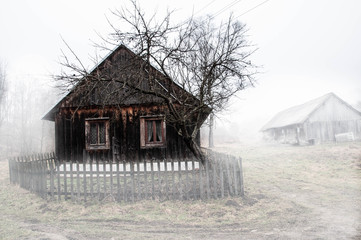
column 298, row 113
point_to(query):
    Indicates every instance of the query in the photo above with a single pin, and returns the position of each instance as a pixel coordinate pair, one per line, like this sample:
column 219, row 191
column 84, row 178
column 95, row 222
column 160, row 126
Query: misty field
column 308, row 192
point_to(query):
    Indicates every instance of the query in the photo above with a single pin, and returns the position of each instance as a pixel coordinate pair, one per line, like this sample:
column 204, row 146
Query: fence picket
column 152, row 174
column 71, row 181
column 186, row 183
column 78, row 180
column 241, row 176
column 194, row 180
column 221, row 178
column 235, row 178
column 104, row 178
column 214, row 177
column 228, row 176
column 159, row 180
column 84, row 175
column 207, row 180
column 166, row 178
column 133, row 183
column 98, row 174
column 173, row 178
column 200, row 182
column 180, row 179
column 145, row 180
column 48, row 176
column 51, row 167
column 43, row 177
column 139, row 192
column 91, row 158
column 125, row 190
column 111, row 176
column 118, row 180
column 58, row 178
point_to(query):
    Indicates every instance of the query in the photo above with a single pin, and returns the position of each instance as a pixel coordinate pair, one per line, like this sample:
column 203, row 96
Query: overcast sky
column 306, row 48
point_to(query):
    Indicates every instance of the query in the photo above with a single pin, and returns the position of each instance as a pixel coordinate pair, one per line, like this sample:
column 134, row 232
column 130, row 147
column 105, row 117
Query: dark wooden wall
column 124, row 126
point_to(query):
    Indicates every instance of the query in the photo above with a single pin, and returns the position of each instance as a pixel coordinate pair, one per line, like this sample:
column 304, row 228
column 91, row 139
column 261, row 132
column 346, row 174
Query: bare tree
column 2, row 91
column 194, row 67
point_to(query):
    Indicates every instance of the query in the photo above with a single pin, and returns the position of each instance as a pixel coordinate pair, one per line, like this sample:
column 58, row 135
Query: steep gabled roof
column 299, row 114
column 125, row 96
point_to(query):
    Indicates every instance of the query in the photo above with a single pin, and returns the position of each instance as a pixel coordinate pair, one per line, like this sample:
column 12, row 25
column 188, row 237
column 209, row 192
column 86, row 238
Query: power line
column 231, row 5
column 225, row 8
column 249, row 10
column 207, row 5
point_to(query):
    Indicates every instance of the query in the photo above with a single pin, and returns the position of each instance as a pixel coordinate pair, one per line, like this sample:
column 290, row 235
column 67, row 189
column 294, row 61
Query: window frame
column 98, row 145
column 144, row 143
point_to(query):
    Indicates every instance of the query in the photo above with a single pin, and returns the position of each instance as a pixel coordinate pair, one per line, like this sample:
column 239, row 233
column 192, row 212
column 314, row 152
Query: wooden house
column 324, row 119
column 128, row 125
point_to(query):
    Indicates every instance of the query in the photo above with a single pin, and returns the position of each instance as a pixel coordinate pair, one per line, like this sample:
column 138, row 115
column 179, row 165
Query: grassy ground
column 311, row 192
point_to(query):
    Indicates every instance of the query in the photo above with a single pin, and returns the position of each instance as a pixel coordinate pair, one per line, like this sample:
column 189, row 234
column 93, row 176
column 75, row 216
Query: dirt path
column 291, row 193
column 328, row 219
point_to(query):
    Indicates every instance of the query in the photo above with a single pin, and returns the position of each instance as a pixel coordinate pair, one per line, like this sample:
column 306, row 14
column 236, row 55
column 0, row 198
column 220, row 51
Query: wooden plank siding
column 318, row 120
column 124, row 131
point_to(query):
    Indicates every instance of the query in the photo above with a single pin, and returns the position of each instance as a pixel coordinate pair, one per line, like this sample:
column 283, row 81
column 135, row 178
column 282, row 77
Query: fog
column 305, row 49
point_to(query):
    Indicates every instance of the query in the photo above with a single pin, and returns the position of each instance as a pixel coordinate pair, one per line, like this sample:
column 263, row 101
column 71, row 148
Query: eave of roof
column 50, row 114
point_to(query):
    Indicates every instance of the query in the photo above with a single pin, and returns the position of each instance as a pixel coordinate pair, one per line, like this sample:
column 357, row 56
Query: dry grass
column 291, row 193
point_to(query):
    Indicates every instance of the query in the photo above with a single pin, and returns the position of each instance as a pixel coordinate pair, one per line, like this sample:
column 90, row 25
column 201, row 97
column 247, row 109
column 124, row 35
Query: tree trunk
column 210, row 136
column 196, row 150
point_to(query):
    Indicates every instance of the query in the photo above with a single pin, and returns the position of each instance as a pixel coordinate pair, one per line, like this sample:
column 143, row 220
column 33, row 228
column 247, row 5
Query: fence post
column 200, row 180
column 57, row 160
column 118, row 179
column 125, row 189
column 42, row 175
column 152, row 175
column 221, row 178
column 145, row 180
column 214, row 173
column 104, row 177
column 180, row 179
column 229, row 180
column 139, row 192
column 51, row 167
column 194, row 179
column 10, row 170
column 78, row 179
column 207, row 179
column 173, row 178
column 111, row 175
column 91, row 158
column 235, row 178
column 159, row 180
column 65, row 180
column 241, row 176
column 133, row 183
column 85, row 153
column 165, row 177
column 71, row 179
column 98, row 174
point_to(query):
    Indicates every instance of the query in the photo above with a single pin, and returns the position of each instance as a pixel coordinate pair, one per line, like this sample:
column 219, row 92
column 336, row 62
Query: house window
column 152, row 132
column 97, row 133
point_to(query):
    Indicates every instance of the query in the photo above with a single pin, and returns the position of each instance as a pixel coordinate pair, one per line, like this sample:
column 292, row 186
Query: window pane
column 158, row 127
column 93, row 133
column 101, row 133
column 150, row 131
